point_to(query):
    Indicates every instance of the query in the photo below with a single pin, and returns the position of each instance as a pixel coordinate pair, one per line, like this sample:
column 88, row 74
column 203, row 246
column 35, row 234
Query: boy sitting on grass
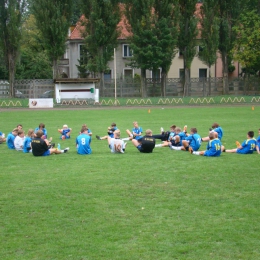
column 247, row 147
column 65, row 132
column 214, row 147
column 116, row 145
column 40, row 146
column 110, row 131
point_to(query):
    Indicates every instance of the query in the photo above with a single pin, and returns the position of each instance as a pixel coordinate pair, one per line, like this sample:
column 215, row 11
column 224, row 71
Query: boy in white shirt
column 19, row 140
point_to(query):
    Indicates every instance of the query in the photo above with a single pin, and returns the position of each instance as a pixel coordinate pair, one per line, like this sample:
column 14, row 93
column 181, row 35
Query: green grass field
column 164, row 205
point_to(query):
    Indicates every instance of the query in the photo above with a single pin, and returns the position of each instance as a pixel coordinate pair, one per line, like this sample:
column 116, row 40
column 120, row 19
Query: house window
column 128, row 73
column 83, row 54
column 202, row 73
column 181, row 74
column 156, row 74
column 127, row 52
column 108, row 74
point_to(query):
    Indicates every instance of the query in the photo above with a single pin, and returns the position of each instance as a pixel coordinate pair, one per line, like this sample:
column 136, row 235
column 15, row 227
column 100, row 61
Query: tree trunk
column 209, row 80
column 143, row 83
column 163, row 84
column 225, row 73
column 186, row 82
column 55, row 69
column 11, row 66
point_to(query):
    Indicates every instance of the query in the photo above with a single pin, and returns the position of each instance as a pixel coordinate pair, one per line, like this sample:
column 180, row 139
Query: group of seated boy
column 177, row 139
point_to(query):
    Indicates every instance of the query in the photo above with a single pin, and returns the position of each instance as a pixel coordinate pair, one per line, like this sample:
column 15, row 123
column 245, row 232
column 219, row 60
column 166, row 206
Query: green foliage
column 34, row 62
column 247, row 46
column 11, row 13
column 101, row 32
column 53, row 20
column 163, row 205
column 34, row 65
column 142, row 42
column 187, row 31
column 209, row 33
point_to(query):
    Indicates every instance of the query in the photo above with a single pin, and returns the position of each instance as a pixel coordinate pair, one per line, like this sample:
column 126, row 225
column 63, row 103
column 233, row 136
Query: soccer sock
column 176, row 148
column 62, row 151
column 196, row 153
column 125, row 139
column 158, row 145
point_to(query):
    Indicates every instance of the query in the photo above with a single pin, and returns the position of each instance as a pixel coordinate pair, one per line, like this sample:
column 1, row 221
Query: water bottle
column 58, row 147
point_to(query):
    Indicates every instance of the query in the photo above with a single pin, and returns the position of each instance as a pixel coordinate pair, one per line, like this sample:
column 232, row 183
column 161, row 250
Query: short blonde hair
column 148, row 132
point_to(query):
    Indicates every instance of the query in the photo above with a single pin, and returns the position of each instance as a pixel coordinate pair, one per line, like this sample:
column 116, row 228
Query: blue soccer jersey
column 111, row 132
column 258, row 141
column 65, row 132
column 137, row 130
column 27, row 144
column 219, row 130
column 1, row 133
column 213, row 148
column 194, row 141
column 248, row 146
column 10, row 141
column 43, row 130
column 83, row 144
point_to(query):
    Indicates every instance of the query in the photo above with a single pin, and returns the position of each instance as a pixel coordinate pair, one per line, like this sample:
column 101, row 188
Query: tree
column 11, row 12
column 101, row 33
column 34, row 62
column 53, row 21
column 209, row 35
column 143, row 41
column 187, row 37
column 247, row 46
column 165, row 29
column 228, row 13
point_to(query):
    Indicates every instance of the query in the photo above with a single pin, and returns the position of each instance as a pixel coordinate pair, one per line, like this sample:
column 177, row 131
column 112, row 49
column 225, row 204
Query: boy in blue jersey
column 175, row 138
column 247, row 147
column 110, row 132
column 10, row 138
column 27, row 141
column 42, row 128
column 258, row 139
column 193, row 140
column 65, row 132
column 217, row 130
column 83, row 142
column 214, row 147
column 136, row 132
column 165, row 136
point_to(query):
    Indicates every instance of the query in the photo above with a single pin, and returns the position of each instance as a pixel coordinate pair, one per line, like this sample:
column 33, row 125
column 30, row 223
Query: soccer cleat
column 162, row 130
column 238, row 144
column 185, row 128
column 52, row 145
column 98, row 137
column 66, row 149
column 190, row 150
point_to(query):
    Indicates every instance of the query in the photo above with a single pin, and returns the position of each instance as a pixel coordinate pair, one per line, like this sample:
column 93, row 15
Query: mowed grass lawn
column 164, row 205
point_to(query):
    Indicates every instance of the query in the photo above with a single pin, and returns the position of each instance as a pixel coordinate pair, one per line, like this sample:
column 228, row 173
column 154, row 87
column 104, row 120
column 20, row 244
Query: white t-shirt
column 116, row 145
column 18, row 143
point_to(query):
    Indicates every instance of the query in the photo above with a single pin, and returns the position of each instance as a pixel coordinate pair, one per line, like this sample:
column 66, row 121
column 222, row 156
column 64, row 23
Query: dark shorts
column 46, row 153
